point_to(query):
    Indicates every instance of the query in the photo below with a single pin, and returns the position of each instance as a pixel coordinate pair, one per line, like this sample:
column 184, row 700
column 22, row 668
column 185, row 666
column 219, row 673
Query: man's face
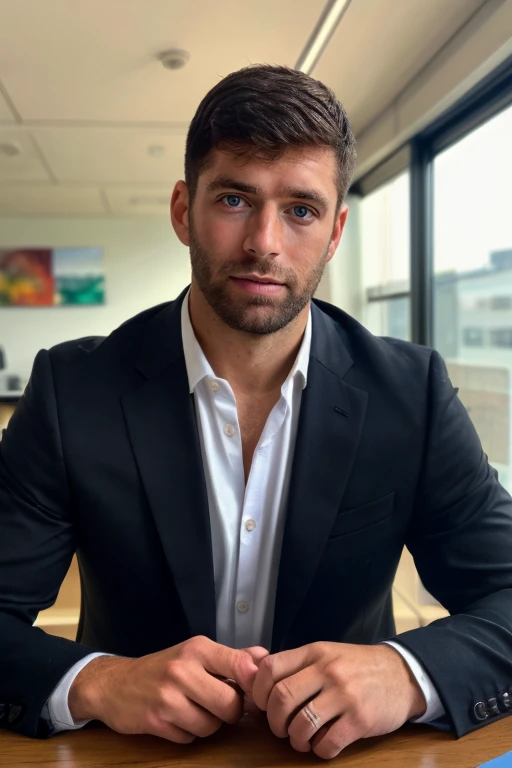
column 261, row 233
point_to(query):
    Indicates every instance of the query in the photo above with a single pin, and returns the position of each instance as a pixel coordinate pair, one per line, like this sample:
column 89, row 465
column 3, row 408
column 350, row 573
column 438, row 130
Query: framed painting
column 47, row 277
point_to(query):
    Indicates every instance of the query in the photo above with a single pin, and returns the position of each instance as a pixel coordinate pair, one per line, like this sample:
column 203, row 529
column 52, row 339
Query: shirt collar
column 199, row 368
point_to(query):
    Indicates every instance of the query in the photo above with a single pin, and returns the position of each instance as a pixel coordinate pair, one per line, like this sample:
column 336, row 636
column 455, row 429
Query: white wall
column 145, row 264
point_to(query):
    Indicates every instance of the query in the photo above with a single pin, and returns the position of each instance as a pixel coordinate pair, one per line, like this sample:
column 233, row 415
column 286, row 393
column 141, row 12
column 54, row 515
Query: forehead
column 295, row 167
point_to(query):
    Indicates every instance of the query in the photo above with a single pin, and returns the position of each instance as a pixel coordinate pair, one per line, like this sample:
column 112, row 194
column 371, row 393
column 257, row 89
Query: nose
column 263, row 236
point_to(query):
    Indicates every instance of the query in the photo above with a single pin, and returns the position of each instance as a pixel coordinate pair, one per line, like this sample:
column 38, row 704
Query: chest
column 253, row 413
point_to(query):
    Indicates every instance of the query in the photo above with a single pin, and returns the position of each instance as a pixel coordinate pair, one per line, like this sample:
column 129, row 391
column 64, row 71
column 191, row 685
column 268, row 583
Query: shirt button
column 229, row 430
column 250, row 525
column 214, row 385
column 242, row 606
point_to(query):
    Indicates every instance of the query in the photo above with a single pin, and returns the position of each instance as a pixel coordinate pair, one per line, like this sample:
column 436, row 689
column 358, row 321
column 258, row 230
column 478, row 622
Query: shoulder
column 377, row 354
column 122, row 339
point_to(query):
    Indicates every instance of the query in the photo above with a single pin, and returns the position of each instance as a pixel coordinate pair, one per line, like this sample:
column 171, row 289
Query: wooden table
column 251, row 744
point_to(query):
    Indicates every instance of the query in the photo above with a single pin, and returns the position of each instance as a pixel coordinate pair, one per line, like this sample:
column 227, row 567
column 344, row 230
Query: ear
column 179, row 212
column 339, row 225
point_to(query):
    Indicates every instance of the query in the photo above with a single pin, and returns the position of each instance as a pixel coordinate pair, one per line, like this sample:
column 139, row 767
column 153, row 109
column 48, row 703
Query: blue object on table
column 505, row 761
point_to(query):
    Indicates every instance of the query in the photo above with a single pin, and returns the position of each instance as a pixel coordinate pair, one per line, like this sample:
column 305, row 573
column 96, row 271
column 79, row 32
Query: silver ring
column 311, row 715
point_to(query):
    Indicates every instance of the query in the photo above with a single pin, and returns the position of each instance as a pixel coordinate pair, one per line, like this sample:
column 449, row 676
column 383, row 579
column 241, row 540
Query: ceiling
column 96, row 125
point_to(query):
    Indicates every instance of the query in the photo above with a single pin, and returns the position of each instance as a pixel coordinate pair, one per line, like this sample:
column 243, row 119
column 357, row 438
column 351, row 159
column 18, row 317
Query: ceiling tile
column 112, row 155
column 380, row 45
column 25, row 166
column 45, row 199
column 97, row 60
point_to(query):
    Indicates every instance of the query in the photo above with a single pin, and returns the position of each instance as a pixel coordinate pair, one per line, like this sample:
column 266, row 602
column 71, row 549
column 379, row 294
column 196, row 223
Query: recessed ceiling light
column 176, row 58
column 10, row 149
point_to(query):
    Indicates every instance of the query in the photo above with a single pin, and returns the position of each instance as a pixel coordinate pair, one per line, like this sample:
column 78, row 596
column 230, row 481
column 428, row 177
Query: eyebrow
column 226, row 182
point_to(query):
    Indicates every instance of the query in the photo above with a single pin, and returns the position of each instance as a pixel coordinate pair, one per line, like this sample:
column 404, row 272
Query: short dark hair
column 265, row 109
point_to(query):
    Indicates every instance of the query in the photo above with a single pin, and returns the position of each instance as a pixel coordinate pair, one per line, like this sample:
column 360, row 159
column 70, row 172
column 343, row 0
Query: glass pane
column 389, row 317
column 473, row 279
column 385, row 248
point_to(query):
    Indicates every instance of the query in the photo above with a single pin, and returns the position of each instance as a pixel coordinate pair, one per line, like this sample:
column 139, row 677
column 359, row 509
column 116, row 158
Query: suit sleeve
column 37, row 543
column 461, row 540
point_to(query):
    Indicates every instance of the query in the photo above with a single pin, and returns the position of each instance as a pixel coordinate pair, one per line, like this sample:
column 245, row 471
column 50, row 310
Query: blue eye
column 233, row 200
column 301, row 211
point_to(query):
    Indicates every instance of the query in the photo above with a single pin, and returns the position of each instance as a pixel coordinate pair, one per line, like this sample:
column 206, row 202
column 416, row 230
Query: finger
column 229, row 663
column 218, row 696
column 257, row 653
column 191, row 718
column 335, row 737
column 313, row 716
column 276, row 667
column 170, row 732
column 289, row 695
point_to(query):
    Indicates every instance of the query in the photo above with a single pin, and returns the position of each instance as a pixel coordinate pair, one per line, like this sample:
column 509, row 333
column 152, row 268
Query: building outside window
column 473, row 279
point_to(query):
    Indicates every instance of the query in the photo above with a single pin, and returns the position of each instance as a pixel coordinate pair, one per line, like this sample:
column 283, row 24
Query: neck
column 252, row 363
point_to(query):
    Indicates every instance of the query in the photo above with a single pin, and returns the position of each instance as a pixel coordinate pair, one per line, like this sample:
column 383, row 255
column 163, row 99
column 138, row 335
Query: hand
column 177, row 694
column 324, row 696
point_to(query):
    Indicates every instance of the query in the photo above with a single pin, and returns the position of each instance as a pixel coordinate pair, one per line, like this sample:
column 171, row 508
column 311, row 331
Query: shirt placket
column 252, row 533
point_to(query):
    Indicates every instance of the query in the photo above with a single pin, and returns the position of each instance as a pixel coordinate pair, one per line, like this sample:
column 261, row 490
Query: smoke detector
column 176, row 58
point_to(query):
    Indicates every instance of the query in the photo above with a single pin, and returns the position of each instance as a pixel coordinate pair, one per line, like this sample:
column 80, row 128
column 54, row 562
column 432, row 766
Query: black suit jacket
column 102, row 457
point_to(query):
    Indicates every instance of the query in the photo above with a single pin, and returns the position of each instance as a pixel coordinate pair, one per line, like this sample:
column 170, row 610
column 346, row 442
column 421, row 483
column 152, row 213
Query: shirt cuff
column 435, row 709
column 58, row 708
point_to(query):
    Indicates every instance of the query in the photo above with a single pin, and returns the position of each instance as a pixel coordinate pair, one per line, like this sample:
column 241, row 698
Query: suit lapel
column 163, row 432
column 330, row 422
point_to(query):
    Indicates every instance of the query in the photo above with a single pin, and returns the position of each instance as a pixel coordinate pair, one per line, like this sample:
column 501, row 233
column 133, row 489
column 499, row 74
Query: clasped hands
column 323, row 696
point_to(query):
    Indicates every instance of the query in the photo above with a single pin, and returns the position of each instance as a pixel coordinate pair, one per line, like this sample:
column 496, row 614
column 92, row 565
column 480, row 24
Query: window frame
column 486, row 100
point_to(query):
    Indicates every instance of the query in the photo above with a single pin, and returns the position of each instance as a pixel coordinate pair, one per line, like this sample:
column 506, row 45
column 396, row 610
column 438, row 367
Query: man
column 239, row 470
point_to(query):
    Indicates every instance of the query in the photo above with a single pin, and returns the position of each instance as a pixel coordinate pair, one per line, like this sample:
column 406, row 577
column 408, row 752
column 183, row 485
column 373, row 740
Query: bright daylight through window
column 473, row 279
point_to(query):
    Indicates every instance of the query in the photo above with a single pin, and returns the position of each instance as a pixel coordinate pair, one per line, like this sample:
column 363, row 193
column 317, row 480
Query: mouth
column 258, row 279
column 256, row 284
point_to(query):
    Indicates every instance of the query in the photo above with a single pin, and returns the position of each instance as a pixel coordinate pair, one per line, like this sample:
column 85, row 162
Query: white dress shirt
column 247, row 520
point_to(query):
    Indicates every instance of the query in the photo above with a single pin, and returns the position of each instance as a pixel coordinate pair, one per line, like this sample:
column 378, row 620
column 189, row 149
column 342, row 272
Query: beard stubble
column 238, row 314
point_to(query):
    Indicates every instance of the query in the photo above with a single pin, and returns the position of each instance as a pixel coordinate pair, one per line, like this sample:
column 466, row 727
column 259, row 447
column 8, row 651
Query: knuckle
column 317, row 650
column 243, row 659
column 352, row 698
column 175, row 671
column 267, row 665
column 362, row 720
column 283, row 693
column 195, row 645
column 334, row 672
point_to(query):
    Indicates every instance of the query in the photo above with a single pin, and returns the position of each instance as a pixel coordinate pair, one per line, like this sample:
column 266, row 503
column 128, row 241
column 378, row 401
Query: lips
column 257, row 285
column 258, row 279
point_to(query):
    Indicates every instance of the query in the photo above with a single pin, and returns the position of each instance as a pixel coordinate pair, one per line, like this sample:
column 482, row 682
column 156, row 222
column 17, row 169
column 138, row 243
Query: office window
column 385, row 248
column 501, row 337
column 473, row 279
column 473, row 337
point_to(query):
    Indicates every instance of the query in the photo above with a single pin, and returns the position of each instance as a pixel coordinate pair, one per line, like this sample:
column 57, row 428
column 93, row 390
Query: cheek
column 222, row 236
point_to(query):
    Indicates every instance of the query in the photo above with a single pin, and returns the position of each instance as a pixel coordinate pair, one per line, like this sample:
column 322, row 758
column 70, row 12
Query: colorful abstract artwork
column 47, row 277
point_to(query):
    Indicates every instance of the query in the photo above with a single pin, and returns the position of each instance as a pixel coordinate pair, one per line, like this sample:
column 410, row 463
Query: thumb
column 257, row 653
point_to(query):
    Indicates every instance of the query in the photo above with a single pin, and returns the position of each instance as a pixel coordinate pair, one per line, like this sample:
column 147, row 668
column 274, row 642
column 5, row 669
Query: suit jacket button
column 15, row 713
column 3, row 712
column 492, row 707
column 505, row 701
column 480, row 711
